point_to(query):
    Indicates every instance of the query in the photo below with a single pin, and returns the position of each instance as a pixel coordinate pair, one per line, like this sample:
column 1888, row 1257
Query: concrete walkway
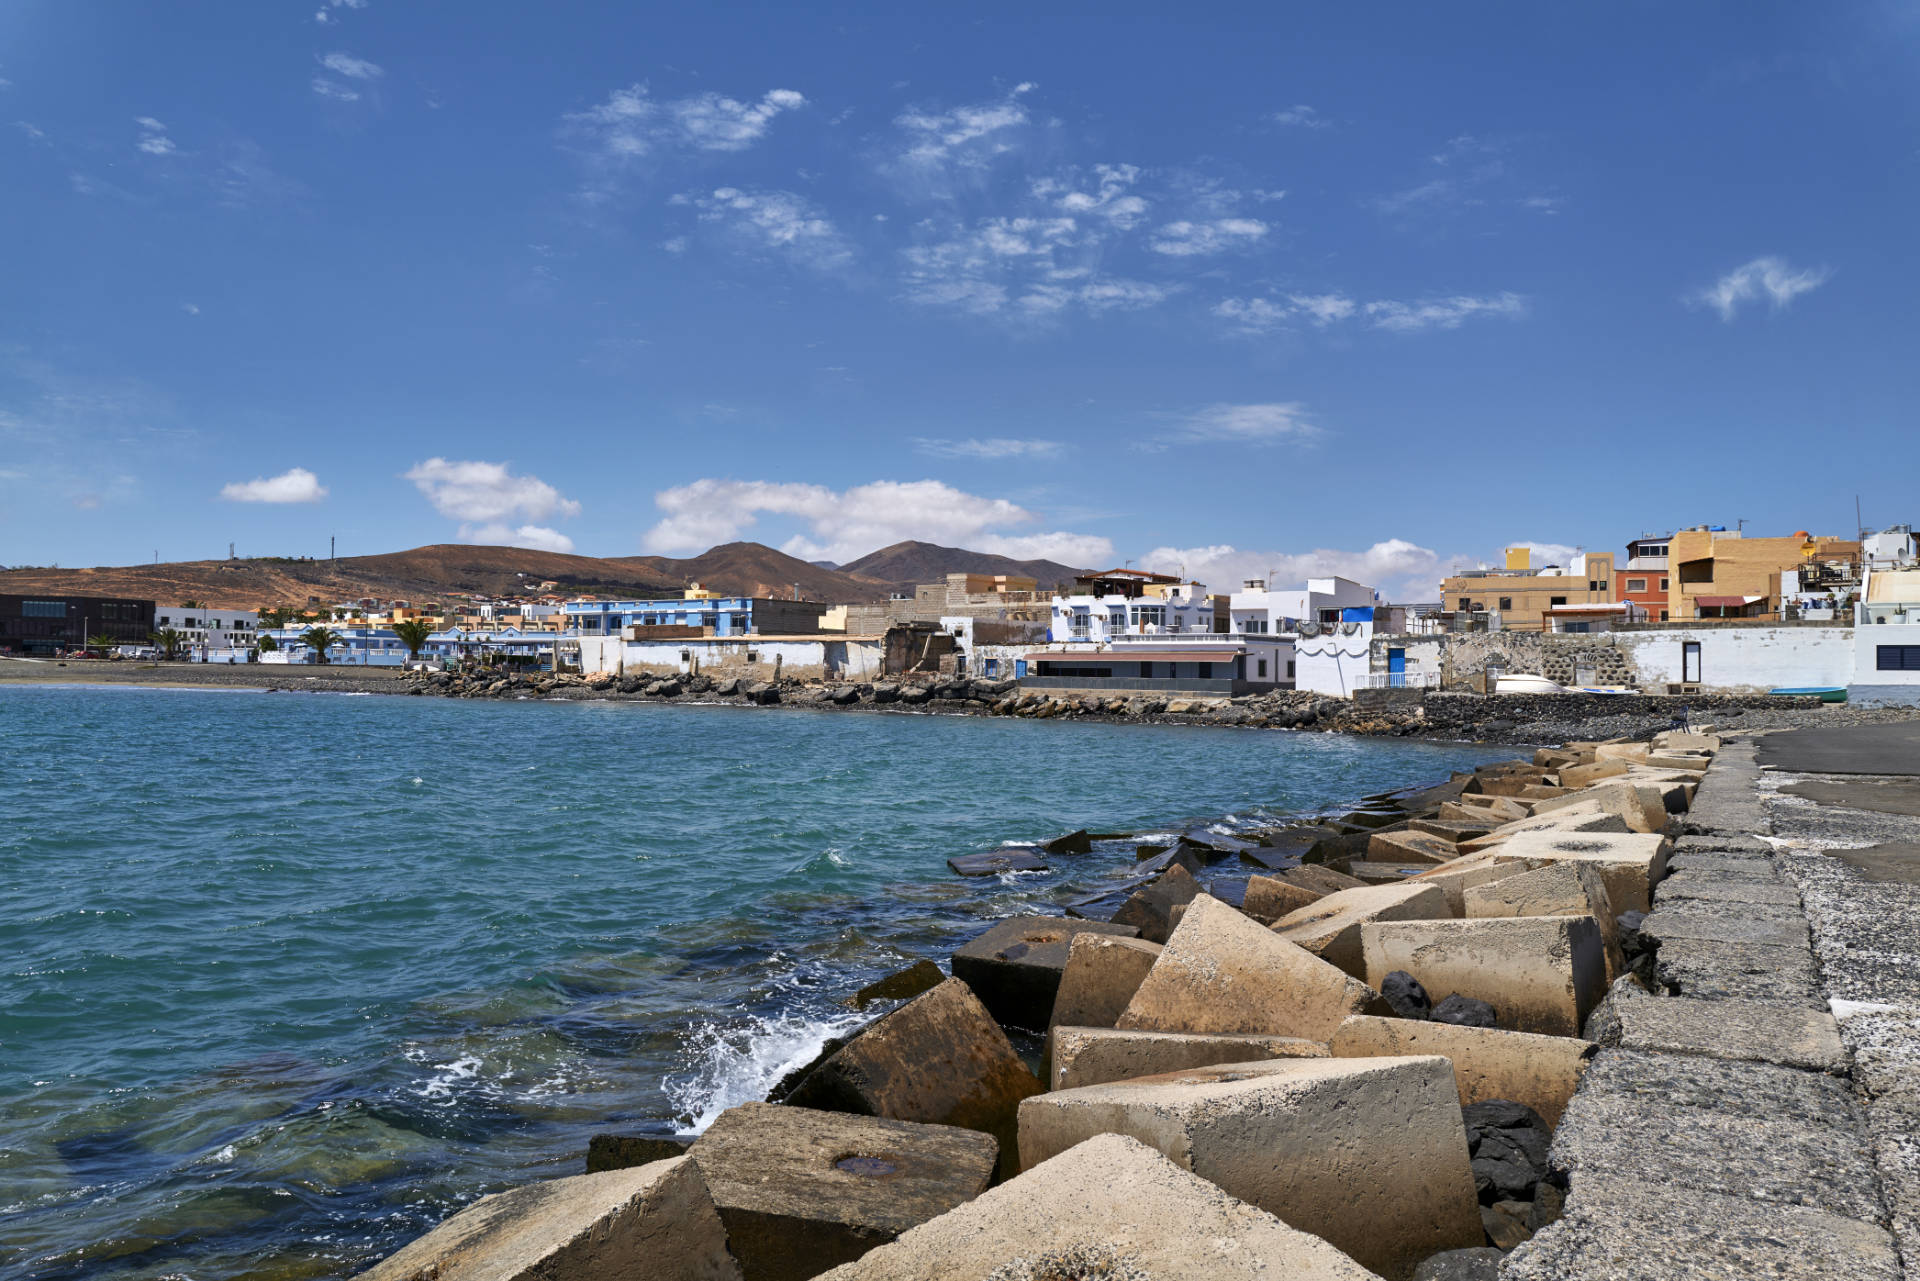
column 1735, row 1127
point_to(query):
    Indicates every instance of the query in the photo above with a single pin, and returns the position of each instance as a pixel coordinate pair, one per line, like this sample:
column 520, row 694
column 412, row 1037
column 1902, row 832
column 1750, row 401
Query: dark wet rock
column 1008, row 858
column 901, row 985
column 1403, row 992
column 1150, row 908
column 1465, row 1011
column 886, row 692
column 1549, row 1202
column 624, row 1151
column 844, row 695
column 1072, row 843
column 1178, row 856
column 1506, row 1223
column 1508, row 1144
column 765, row 693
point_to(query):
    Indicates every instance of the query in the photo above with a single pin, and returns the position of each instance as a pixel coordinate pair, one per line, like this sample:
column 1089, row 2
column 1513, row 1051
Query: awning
column 1725, row 602
column 1132, row 655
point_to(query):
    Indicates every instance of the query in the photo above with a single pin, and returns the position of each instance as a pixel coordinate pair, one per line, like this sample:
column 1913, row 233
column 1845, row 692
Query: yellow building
column 1721, row 573
column 1525, row 597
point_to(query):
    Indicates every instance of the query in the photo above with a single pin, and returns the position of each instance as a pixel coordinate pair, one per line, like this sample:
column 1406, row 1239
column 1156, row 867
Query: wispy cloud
column 1401, row 570
column 153, row 137
column 993, row 449
column 1465, row 172
column 1109, row 195
column 778, row 222
column 1768, row 279
column 345, row 64
column 33, row 132
column 1188, row 239
column 1258, row 423
column 487, row 498
column 295, row 485
column 631, row 123
column 334, row 89
column 1300, row 116
column 1264, row 315
column 191, row 308
column 326, row 15
column 842, row 525
column 968, row 136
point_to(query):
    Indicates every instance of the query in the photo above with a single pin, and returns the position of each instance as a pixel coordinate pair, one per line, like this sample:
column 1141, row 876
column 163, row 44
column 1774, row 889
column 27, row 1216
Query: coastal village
column 1697, row 612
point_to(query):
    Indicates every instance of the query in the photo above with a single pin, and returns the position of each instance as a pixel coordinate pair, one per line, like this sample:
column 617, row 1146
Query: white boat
column 1526, row 683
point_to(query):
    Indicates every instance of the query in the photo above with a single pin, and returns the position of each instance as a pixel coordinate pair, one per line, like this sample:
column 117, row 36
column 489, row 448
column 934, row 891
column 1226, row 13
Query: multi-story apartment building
column 701, row 611
column 1525, row 597
column 1643, row 579
column 1721, row 573
column 48, row 623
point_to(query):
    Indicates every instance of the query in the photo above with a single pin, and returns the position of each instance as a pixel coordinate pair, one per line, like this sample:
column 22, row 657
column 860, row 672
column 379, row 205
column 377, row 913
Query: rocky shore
column 1405, row 999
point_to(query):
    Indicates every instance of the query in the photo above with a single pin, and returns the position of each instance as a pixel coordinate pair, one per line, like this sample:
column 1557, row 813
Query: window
column 1506, row 602
column 1206, row 670
column 1663, row 587
column 1696, row 571
column 1263, row 668
column 1556, row 600
column 1663, row 615
column 1636, row 584
column 43, row 609
column 1289, row 669
column 1897, row 658
column 1465, row 604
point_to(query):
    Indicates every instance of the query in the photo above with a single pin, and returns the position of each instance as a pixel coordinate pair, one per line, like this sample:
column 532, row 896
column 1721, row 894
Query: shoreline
column 1519, row 720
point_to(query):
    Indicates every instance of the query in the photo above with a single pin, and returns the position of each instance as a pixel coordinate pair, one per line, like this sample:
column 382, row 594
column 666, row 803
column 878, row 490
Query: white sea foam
column 737, row 1063
column 464, row 1068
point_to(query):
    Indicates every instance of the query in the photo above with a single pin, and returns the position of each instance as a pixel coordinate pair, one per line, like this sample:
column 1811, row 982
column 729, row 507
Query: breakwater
column 297, row 977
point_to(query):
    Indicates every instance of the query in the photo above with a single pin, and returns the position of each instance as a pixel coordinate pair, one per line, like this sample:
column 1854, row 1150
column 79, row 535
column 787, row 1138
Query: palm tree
column 171, row 642
column 413, row 634
column 103, row 643
column 318, row 639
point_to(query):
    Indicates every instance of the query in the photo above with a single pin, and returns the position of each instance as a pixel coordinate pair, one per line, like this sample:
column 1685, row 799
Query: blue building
column 713, row 615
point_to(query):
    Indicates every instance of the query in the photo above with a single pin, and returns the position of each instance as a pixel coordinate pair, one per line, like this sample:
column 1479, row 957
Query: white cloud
column 1544, row 554
column 967, row 137
column 844, row 525
column 153, row 137
column 191, row 308
column 1109, row 197
column 1464, row 170
column 1544, row 204
column 352, row 68
column 1441, row 313
column 1263, row 422
column 1767, row 278
column 1186, row 239
column 631, row 124
column 1028, row 268
column 780, row 221
column 991, row 449
column 326, row 16
column 33, row 131
column 1262, row 315
column 334, row 89
column 536, row 537
column 1401, row 570
column 487, row 498
column 295, row 485
column 1301, row 116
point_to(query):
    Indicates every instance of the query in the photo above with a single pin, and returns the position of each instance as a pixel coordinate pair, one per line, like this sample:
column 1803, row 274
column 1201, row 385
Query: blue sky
column 1361, row 289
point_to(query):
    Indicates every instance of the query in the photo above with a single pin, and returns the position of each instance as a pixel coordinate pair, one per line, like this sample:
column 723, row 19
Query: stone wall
column 1560, row 657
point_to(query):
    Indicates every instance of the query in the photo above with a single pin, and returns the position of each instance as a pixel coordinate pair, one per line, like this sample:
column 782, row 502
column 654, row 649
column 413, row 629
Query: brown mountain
column 916, row 562
column 444, row 569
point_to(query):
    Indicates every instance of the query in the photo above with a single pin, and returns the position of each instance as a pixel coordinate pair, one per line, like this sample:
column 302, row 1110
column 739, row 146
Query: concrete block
column 1469, row 869
column 1223, row 972
column 1558, row 889
column 1504, row 809
column 901, row 985
column 1632, row 863
column 1454, row 830
column 1149, row 909
column 803, row 1191
column 1409, row 847
column 1312, row 876
column 1688, row 761
column 1386, row 873
column 1370, row 1154
column 650, row 1221
column 1621, row 1227
column 1094, row 1056
column 1587, row 775
column 1754, row 924
column 938, row 1059
column 1330, row 928
column 1488, row 1063
column 1757, row 1031
column 1103, row 972
column 1008, row 858
column 1269, row 898
column 1642, row 810
column 1519, row 789
column 1633, row 753
column 1540, row 973
column 1583, row 816
column 1014, row 968
column 1679, row 741
column 1111, row 1207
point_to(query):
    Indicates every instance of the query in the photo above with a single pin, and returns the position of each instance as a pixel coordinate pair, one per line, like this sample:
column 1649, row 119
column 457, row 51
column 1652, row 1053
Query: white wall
column 1869, row 682
column 1334, row 661
column 1744, row 660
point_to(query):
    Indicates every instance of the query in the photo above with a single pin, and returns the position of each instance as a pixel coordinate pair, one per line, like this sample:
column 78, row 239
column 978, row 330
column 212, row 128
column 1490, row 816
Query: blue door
column 1019, row 668
column 1396, row 667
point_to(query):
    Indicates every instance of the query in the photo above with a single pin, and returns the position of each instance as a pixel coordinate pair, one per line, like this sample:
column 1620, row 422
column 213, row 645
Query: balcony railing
column 1398, row 680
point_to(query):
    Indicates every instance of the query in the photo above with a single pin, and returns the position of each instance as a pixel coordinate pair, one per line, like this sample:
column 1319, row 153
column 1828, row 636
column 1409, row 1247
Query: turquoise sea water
column 288, row 978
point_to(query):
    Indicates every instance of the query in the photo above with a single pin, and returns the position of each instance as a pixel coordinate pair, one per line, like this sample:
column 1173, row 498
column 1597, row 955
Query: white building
column 1895, row 548
column 1886, row 637
column 212, row 634
column 1161, row 610
column 1258, row 611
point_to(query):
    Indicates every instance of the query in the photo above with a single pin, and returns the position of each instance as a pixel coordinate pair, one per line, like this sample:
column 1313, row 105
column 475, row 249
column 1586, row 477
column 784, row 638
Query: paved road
column 1856, row 749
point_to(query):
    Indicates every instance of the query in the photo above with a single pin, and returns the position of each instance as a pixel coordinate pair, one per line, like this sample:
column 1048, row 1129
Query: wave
column 735, row 1063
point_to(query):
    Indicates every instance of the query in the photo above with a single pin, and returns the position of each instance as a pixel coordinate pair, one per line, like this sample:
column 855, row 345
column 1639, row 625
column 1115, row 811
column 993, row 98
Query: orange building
column 1644, row 579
